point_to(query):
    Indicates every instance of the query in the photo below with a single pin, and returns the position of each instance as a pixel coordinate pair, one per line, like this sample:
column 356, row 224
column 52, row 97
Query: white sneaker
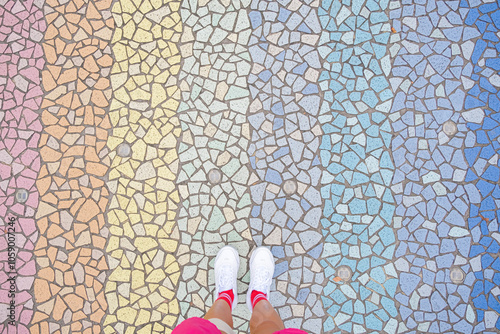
column 261, row 272
column 226, row 267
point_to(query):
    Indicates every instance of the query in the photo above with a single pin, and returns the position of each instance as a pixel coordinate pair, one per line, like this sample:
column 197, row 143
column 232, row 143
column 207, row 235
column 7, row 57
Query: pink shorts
column 203, row 326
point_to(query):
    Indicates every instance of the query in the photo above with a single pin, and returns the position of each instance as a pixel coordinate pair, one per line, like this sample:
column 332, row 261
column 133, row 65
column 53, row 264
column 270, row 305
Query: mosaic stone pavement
column 358, row 139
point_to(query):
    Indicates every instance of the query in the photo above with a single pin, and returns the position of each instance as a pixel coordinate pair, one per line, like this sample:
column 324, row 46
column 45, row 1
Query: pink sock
column 256, row 297
column 227, row 296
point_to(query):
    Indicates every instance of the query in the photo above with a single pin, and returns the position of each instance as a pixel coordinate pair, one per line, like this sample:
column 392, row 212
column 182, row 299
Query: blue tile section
column 283, row 150
column 482, row 105
column 386, row 114
column 355, row 153
column 430, row 76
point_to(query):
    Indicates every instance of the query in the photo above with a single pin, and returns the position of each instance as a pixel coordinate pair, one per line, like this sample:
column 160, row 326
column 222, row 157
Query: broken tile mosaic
column 284, row 153
column 143, row 235
column 358, row 139
column 215, row 135
column 21, row 62
column 355, row 153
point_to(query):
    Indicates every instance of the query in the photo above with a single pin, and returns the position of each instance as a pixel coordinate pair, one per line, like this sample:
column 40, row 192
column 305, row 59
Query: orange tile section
column 69, row 286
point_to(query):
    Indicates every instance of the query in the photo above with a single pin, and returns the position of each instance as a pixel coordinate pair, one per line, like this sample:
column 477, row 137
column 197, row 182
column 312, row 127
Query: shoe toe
column 227, row 255
column 262, row 256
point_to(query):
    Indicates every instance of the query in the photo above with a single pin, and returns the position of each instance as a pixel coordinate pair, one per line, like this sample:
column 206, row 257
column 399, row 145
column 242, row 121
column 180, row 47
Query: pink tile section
column 22, row 27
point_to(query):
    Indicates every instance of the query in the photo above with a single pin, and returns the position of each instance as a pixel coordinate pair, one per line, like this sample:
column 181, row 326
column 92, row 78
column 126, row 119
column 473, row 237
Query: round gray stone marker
column 450, row 128
column 290, row 187
column 345, row 273
column 124, row 150
column 21, row 195
column 214, row 176
column 457, row 275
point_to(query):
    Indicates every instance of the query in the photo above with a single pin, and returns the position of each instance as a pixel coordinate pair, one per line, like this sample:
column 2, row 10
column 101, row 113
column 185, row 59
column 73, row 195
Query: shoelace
column 226, row 279
column 261, row 280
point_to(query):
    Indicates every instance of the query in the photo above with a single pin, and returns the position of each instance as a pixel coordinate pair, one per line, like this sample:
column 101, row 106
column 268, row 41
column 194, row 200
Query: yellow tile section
column 143, row 232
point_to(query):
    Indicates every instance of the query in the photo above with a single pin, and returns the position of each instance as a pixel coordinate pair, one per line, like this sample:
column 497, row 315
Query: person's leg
column 265, row 319
column 226, row 267
column 220, row 310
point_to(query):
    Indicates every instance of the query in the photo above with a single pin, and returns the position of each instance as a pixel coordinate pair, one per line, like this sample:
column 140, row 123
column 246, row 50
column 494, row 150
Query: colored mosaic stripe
column 430, row 132
column 144, row 163
column 359, row 205
column 70, row 218
column 284, row 153
column 482, row 105
column 21, row 61
column 215, row 134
